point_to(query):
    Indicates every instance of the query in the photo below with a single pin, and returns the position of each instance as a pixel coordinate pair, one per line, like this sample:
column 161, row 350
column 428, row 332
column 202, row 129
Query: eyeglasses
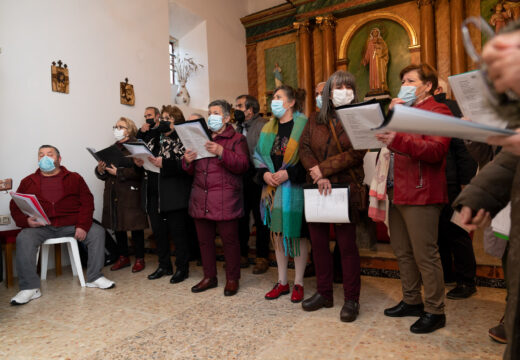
column 119, row 127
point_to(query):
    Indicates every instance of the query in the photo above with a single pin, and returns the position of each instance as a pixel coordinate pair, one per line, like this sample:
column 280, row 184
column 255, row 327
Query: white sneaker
column 24, row 296
column 102, row 283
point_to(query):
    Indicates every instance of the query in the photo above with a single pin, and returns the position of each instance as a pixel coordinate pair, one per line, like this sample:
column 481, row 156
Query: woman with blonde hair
column 122, row 210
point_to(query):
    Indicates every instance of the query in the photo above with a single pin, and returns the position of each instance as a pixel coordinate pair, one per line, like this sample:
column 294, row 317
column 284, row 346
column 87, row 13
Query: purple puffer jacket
column 216, row 193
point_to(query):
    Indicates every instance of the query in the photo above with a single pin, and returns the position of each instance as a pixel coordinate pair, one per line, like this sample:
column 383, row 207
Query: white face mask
column 342, row 96
column 119, row 134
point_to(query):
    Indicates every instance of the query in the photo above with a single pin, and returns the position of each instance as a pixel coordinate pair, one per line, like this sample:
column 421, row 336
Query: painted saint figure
column 500, row 18
column 278, row 79
column 376, row 56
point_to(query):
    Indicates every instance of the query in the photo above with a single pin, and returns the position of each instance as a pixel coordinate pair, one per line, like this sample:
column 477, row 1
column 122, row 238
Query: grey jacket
column 253, row 127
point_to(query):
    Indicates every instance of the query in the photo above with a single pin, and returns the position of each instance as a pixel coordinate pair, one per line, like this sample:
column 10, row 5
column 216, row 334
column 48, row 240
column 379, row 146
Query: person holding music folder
column 122, row 211
column 165, row 197
column 216, row 200
column 328, row 156
column 69, row 205
column 416, row 187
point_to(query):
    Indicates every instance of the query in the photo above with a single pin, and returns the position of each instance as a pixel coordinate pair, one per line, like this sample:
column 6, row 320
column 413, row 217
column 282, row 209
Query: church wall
column 102, row 42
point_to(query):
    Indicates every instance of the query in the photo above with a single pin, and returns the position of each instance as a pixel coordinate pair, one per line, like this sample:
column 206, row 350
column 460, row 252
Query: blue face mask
column 407, row 94
column 215, row 122
column 46, row 164
column 277, row 108
column 319, row 101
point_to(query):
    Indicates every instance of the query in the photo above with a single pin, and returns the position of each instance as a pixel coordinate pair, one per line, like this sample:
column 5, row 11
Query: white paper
column 501, row 223
column 27, row 206
column 142, row 152
column 358, row 123
column 469, row 90
column 332, row 208
column 194, row 137
column 411, row 120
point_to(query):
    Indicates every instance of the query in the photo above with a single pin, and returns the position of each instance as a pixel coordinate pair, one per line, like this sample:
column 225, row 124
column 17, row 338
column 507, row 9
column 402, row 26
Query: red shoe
column 139, row 265
column 297, row 294
column 277, row 291
column 122, row 262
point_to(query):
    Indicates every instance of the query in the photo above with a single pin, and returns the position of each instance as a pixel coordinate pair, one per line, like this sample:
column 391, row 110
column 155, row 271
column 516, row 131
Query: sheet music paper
column 141, row 151
column 194, row 137
column 359, row 121
column 412, row 120
column 468, row 89
column 331, row 208
column 501, row 223
column 30, row 206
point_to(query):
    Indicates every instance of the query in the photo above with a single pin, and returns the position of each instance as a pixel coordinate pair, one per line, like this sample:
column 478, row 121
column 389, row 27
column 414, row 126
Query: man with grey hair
column 69, row 205
column 251, row 128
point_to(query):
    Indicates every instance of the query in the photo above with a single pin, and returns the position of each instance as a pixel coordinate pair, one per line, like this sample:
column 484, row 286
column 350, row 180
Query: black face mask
column 150, row 122
column 164, row 126
column 239, row 116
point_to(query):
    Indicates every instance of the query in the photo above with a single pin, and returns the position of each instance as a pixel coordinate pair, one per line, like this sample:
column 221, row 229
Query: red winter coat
column 216, row 193
column 420, row 163
column 74, row 208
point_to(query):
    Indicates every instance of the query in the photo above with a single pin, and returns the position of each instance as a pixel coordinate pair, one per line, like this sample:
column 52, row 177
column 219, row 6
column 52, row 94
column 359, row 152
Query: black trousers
column 252, row 194
column 456, row 251
column 137, row 239
column 174, row 223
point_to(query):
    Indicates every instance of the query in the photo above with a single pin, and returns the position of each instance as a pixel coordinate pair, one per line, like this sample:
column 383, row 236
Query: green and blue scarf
column 282, row 207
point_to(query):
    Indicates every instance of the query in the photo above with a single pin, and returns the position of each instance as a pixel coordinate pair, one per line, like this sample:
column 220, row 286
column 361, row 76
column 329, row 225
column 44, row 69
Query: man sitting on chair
column 69, row 205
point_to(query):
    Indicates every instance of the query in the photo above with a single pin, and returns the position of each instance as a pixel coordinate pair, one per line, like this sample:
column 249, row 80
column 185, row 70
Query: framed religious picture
column 127, row 94
column 60, row 77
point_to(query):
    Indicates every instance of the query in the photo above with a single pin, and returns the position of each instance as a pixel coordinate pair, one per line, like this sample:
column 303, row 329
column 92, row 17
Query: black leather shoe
column 461, row 291
column 349, row 311
column 428, row 323
column 179, row 276
column 316, row 302
column 159, row 273
column 404, row 309
column 205, row 284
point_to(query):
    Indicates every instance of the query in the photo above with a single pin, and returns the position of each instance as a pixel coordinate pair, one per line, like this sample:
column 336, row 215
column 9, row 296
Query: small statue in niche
column 127, row 93
column 278, row 78
column 500, row 18
column 376, row 57
column 60, row 77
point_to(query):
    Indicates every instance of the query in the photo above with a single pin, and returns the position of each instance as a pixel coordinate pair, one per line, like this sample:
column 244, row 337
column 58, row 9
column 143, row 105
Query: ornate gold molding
column 302, row 26
column 326, row 21
column 412, row 34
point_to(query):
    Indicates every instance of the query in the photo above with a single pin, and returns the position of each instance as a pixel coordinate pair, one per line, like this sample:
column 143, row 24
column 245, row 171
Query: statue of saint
column 376, row 57
column 513, row 9
column 500, row 18
column 278, row 79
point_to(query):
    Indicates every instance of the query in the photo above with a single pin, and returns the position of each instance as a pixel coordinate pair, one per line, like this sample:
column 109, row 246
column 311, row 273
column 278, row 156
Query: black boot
column 159, row 273
column 428, row 323
column 404, row 309
column 179, row 276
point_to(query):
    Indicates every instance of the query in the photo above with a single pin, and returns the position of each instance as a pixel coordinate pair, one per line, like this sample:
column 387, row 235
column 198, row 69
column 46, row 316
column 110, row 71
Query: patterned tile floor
column 143, row 319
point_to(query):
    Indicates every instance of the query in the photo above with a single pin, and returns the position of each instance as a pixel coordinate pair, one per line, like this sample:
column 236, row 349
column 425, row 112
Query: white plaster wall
column 259, row 5
column 226, row 40
column 102, row 42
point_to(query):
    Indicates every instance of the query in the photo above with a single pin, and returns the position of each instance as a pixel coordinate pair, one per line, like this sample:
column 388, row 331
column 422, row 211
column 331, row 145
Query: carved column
column 327, row 24
column 305, row 65
column 458, row 57
column 428, row 46
column 252, row 76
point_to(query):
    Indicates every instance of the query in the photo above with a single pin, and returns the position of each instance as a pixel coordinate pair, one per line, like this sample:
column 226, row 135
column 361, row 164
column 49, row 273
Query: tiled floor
column 143, row 319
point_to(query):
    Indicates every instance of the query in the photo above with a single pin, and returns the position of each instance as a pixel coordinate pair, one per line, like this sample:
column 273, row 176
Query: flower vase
column 182, row 97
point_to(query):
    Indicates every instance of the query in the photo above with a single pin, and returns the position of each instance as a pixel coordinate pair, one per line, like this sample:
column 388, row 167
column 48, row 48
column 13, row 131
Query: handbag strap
column 335, row 136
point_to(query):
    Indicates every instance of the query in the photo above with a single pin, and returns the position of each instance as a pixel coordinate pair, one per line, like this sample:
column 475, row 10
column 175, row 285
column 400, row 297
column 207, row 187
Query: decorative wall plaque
column 127, row 93
column 60, row 77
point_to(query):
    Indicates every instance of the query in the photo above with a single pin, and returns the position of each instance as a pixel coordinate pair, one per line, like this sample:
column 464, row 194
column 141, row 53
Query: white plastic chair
column 75, row 261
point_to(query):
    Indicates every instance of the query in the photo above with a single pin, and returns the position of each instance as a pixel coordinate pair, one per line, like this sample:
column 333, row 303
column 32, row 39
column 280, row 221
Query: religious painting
column 375, row 55
column 499, row 13
column 280, row 66
column 60, row 77
column 127, row 94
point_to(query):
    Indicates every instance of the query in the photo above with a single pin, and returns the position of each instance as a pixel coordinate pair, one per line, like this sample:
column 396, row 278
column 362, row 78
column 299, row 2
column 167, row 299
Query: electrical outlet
column 5, row 219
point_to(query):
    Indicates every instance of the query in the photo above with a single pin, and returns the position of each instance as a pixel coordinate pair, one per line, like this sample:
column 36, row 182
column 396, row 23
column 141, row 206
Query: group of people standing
column 260, row 166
